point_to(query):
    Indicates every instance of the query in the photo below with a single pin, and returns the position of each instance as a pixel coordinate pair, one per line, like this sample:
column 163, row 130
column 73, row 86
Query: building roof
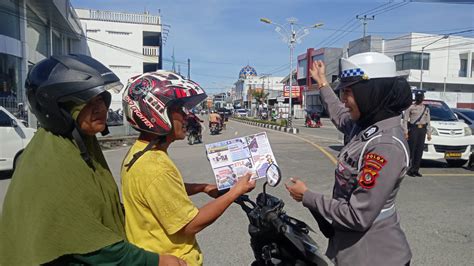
column 247, row 71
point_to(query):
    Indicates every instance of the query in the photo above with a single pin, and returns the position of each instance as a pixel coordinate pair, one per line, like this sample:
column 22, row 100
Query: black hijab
column 380, row 99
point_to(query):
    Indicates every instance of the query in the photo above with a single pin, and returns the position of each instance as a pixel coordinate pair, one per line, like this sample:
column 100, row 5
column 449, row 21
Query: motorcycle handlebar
column 275, row 220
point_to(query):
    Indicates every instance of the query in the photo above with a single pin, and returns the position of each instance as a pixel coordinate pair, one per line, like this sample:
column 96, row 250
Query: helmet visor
column 116, row 87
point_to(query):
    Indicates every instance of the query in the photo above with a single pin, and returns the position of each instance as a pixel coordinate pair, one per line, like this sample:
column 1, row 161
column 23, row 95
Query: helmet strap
column 151, row 144
column 76, row 134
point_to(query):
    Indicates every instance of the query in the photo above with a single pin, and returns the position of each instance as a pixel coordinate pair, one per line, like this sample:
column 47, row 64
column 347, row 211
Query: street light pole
column 293, row 36
column 422, row 55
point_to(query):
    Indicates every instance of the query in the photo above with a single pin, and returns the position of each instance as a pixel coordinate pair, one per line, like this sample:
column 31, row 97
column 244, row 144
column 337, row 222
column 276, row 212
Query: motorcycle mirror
column 273, row 175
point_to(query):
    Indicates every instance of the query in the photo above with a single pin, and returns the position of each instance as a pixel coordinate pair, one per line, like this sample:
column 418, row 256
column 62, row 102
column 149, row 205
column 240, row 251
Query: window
column 463, row 68
column 412, row 60
column 302, row 68
column 10, row 16
column 151, row 38
column 149, row 67
column 9, row 77
column 5, row 120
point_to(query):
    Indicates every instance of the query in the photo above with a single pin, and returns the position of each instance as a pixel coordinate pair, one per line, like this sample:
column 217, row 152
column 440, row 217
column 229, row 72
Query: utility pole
column 189, row 68
column 174, row 62
column 365, row 19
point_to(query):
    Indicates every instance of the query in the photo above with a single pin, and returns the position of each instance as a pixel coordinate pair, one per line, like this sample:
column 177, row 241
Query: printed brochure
column 233, row 158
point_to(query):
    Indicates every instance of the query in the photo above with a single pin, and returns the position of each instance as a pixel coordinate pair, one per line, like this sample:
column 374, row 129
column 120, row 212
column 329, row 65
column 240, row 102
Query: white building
column 447, row 61
column 249, row 81
column 29, row 32
column 129, row 44
column 448, row 72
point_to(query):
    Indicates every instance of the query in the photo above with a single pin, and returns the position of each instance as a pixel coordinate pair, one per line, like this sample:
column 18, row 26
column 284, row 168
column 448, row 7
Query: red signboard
column 295, row 91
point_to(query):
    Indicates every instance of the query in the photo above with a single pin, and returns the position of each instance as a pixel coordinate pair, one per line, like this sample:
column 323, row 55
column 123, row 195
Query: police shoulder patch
column 370, row 172
column 370, row 132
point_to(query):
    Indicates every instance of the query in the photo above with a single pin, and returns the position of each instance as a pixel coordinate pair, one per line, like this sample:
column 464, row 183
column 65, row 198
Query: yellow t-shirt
column 157, row 206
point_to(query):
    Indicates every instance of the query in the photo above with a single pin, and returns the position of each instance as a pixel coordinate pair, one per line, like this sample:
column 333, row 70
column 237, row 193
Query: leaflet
column 233, row 158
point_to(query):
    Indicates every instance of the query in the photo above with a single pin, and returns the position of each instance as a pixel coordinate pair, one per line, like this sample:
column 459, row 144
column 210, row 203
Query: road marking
column 448, row 174
column 324, row 151
column 319, row 137
column 331, row 157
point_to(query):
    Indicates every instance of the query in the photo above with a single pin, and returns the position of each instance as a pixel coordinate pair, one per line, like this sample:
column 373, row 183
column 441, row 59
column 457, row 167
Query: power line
column 404, row 3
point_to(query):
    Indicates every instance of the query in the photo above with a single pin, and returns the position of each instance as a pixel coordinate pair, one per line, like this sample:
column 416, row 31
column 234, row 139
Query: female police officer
column 362, row 214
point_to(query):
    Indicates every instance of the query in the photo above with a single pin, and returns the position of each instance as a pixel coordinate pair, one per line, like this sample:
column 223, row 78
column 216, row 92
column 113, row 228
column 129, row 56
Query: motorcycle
column 215, row 128
column 312, row 122
column 193, row 135
column 275, row 237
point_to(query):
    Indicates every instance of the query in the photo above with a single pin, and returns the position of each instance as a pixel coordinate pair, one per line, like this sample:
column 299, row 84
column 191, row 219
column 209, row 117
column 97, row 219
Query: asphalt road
column 436, row 210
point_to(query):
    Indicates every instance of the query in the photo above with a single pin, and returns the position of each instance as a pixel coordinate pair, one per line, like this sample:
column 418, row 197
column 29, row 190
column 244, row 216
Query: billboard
column 295, row 91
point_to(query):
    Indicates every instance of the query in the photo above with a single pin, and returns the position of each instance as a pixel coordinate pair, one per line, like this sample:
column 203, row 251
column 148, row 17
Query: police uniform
column 415, row 123
column 362, row 210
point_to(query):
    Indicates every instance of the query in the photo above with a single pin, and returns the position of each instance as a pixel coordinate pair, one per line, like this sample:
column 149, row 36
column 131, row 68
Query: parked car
column 224, row 113
column 451, row 140
column 14, row 136
column 466, row 115
column 241, row 113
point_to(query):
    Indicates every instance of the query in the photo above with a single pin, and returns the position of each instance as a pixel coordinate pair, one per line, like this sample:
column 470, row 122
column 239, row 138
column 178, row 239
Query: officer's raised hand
column 297, row 188
column 318, row 73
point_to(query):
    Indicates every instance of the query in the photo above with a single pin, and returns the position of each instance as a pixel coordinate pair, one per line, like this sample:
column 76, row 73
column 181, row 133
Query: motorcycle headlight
column 467, row 131
column 434, row 132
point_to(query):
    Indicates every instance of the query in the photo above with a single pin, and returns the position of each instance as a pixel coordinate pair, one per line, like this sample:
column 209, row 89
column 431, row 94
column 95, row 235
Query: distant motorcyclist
column 214, row 117
column 316, row 118
column 194, row 123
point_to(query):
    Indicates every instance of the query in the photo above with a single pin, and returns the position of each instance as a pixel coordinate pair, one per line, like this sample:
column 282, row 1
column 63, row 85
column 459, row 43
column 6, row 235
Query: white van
column 451, row 140
column 14, row 136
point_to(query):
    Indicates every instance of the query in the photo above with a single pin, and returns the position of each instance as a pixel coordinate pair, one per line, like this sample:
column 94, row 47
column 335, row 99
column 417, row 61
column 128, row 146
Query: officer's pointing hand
column 296, row 188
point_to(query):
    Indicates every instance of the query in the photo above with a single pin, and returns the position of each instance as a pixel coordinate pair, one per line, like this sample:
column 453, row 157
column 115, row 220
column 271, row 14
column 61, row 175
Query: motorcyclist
column 63, row 206
column 214, row 117
column 316, row 118
column 194, row 123
column 160, row 215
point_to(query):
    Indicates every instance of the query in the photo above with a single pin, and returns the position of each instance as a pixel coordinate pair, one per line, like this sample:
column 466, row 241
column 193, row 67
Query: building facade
column 447, row 63
column 311, row 100
column 128, row 43
column 29, row 32
column 250, row 81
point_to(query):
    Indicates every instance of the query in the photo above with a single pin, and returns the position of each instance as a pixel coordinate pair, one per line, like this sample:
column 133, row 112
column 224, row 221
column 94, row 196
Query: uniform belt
column 385, row 213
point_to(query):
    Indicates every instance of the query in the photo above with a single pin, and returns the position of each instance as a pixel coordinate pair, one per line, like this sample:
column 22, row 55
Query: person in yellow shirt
column 160, row 216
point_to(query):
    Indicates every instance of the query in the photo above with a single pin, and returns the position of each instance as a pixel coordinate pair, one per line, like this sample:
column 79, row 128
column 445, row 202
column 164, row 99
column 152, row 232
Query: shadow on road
column 337, row 148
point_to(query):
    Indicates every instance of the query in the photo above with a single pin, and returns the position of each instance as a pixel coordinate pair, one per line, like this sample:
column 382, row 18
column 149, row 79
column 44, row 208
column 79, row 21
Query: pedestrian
column 160, row 215
column 62, row 206
column 416, row 122
column 360, row 219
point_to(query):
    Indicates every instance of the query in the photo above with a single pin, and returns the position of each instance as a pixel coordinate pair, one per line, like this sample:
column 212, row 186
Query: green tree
column 259, row 95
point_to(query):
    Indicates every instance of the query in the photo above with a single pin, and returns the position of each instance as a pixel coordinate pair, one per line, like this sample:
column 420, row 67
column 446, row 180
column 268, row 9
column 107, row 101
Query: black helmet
column 67, row 78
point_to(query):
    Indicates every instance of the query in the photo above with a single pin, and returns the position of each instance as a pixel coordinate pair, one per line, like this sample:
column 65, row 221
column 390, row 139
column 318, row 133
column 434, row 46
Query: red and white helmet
column 147, row 98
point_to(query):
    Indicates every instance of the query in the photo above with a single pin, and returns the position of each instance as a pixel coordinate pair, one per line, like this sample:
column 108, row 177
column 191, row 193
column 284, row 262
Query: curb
column 110, row 142
column 273, row 127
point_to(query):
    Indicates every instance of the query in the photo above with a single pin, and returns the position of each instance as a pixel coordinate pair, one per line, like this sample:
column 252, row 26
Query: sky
column 222, row 36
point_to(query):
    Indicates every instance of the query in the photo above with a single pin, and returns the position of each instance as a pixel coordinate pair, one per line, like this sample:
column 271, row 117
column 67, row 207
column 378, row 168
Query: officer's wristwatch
column 322, row 85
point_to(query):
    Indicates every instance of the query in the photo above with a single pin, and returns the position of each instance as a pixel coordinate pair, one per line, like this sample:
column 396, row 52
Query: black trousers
column 416, row 142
